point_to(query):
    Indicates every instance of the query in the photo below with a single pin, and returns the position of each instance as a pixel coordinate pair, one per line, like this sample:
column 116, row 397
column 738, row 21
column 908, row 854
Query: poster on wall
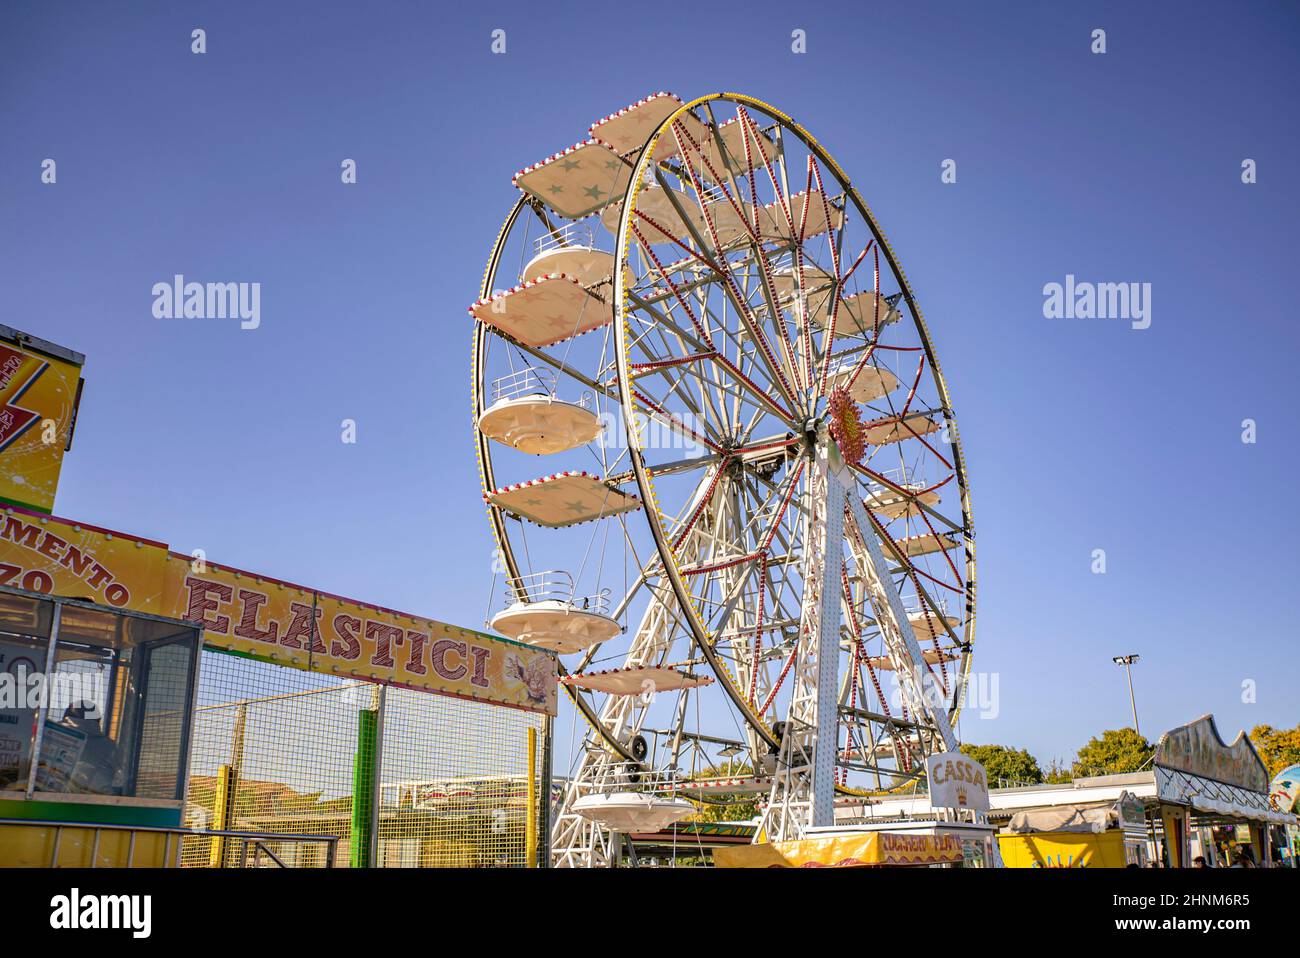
column 61, row 749
column 17, row 716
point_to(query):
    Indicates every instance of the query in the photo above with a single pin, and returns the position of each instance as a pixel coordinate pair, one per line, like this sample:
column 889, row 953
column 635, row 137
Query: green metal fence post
column 364, row 780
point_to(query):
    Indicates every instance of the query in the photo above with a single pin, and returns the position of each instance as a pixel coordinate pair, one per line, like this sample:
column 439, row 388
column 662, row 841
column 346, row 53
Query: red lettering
column 76, row 560
column 117, row 595
column 50, row 545
column 480, row 656
column 247, row 628
column 302, row 627
column 346, row 645
column 38, row 581
column 20, row 532
column 100, row 575
column 438, row 657
column 383, row 635
column 200, row 603
column 415, row 661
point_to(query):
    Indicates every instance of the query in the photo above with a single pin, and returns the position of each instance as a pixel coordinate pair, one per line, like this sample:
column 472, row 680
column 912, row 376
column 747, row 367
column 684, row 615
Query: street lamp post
column 1127, row 661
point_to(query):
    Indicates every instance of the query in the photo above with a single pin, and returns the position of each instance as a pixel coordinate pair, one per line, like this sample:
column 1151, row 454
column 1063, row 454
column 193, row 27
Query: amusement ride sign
column 40, row 386
column 1197, row 749
column 269, row 619
column 253, row 615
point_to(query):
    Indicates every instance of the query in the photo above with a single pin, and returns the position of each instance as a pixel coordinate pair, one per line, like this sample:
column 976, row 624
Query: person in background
column 1241, row 858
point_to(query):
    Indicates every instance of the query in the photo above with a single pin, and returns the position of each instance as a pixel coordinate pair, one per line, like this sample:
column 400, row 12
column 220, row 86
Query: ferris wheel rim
column 483, row 453
column 644, row 479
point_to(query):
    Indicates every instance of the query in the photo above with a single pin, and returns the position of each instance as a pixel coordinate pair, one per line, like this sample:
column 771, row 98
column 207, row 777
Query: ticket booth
column 96, row 707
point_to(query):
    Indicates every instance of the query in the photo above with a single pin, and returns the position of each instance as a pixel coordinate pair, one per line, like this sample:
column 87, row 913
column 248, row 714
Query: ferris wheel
column 724, row 474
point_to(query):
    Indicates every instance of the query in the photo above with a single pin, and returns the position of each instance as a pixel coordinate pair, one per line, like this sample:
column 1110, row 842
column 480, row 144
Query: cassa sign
column 957, row 781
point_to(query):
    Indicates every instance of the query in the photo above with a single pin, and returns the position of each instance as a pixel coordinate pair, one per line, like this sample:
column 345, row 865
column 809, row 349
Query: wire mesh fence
column 455, row 786
column 403, row 778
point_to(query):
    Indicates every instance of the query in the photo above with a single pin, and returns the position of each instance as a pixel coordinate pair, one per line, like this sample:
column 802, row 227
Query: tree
column 1004, row 765
column 725, row 808
column 1114, row 752
column 1278, row 747
column 1058, row 772
column 729, row 806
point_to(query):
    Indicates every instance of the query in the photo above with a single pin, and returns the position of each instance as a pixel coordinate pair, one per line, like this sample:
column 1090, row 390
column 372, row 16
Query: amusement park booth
column 205, row 716
column 1109, row 834
column 915, row 819
column 1201, row 797
column 864, row 849
column 945, row 826
column 1214, row 798
column 96, row 706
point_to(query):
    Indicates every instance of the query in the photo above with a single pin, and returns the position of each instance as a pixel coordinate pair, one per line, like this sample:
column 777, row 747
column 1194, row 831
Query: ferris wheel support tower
column 803, row 789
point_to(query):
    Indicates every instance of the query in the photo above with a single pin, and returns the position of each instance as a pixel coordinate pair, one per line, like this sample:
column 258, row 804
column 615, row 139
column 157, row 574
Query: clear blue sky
column 1079, row 434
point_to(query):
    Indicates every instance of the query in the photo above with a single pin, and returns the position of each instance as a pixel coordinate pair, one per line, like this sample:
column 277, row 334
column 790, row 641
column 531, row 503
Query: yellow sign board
column 847, row 851
column 39, row 390
column 269, row 619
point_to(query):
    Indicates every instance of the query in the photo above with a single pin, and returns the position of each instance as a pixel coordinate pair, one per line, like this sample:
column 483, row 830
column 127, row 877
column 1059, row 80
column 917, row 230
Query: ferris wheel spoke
column 682, row 370
column 914, row 501
column 676, row 380
column 754, row 242
column 739, row 384
column 732, row 293
column 701, row 193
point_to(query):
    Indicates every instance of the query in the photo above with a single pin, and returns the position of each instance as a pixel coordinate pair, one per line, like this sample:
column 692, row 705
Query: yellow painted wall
column 1063, row 850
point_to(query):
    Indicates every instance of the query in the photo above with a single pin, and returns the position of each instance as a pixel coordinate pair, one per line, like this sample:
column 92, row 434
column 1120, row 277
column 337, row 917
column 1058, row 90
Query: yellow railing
column 48, row 844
